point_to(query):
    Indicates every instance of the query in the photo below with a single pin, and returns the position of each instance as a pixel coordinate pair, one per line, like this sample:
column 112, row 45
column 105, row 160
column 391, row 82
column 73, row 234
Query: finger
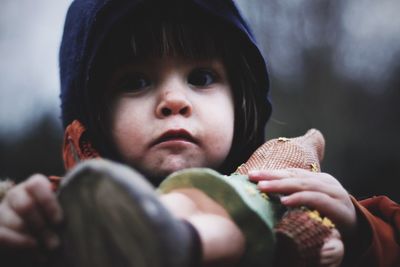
column 335, row 234
column 9, row 219
column 261, row 175
column 293, row 185
column 39, row 188
column 315, row 200
column 10, row 239
column 309, row 199
column 332, row 247
column 281, row 174
column 332, row 208
column 24, row 206
column 332, row 252
column 51, row 239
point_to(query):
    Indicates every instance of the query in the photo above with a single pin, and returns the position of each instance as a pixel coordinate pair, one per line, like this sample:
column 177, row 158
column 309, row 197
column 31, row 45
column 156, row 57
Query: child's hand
column 28, row 212
column 316, row 190
column 332, row 252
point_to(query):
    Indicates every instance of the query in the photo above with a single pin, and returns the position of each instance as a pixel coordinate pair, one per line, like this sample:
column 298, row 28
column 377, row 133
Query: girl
column 163, row 86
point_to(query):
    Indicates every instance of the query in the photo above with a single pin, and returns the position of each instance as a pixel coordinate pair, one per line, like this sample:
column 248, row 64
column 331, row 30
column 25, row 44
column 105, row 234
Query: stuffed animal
column 287, row 237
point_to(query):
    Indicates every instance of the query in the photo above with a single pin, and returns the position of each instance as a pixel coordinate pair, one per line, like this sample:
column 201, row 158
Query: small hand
column 332, row 251
column 319, row 191
column 28, row 213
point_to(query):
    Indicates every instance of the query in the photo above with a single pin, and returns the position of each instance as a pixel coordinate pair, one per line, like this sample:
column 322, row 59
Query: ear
column 315, row 141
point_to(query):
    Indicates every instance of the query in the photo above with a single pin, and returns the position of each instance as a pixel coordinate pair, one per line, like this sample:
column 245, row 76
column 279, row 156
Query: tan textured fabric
column 301, row 232
column 303, row 152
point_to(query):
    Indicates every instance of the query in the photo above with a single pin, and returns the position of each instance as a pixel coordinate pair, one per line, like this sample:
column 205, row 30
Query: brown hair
column 191, row 35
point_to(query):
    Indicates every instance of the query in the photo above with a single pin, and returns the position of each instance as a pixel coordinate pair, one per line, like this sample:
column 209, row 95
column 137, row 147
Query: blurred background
column 334, row 66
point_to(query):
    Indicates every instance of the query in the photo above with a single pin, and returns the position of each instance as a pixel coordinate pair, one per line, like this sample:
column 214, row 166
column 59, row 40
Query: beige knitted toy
column 301, row 232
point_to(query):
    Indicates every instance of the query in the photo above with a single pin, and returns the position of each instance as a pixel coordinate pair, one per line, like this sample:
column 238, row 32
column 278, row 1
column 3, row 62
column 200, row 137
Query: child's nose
column 174, row 102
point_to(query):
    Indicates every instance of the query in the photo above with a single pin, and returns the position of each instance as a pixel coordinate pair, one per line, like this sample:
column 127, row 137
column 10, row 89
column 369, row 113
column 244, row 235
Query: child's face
column 170, row 113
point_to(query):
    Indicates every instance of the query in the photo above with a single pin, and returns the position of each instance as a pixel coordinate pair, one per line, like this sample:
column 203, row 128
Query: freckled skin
column 171, row 102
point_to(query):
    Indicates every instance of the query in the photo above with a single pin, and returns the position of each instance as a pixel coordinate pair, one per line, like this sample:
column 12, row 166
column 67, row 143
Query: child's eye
column 133, row 83
column 201, row 77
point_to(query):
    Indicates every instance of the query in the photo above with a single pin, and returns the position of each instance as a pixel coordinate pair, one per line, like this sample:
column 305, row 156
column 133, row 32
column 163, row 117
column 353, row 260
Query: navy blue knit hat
column 87, row 24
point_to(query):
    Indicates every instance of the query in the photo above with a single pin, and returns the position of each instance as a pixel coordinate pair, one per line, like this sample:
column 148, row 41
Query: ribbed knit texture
column 303, row 152
column 301, row 232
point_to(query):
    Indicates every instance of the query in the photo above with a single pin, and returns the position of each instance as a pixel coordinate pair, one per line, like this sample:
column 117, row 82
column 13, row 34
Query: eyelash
column 138, row 82
column 202, row 78
column 135, row 82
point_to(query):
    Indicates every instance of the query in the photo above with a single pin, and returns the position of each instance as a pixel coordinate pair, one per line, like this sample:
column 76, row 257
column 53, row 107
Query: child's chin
column 158, row 168
column 171, row 164
column 166, row 168
column 157, row 175
column 171, row 169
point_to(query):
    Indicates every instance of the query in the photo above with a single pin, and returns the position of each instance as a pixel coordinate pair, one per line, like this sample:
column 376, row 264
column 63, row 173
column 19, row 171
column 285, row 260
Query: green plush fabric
column 251, row 210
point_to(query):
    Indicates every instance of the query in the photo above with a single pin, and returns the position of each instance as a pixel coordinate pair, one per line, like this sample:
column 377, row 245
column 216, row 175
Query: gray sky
column 364, row 35
column 30, row 32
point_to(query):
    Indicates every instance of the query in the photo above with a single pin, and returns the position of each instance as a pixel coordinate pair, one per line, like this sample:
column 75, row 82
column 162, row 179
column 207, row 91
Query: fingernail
column 254, row 172
column 284, row 199
column 52, row 241
column 263, row 183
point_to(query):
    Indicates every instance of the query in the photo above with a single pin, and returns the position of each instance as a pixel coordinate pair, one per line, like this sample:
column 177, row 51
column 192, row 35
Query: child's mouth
column 175, row 135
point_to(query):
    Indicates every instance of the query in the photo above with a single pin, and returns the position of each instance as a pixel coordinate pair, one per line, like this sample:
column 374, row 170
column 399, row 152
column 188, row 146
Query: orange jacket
column 381, row 217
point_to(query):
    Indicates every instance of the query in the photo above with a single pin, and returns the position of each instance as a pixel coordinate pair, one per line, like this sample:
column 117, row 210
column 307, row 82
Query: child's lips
column 179, row 135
